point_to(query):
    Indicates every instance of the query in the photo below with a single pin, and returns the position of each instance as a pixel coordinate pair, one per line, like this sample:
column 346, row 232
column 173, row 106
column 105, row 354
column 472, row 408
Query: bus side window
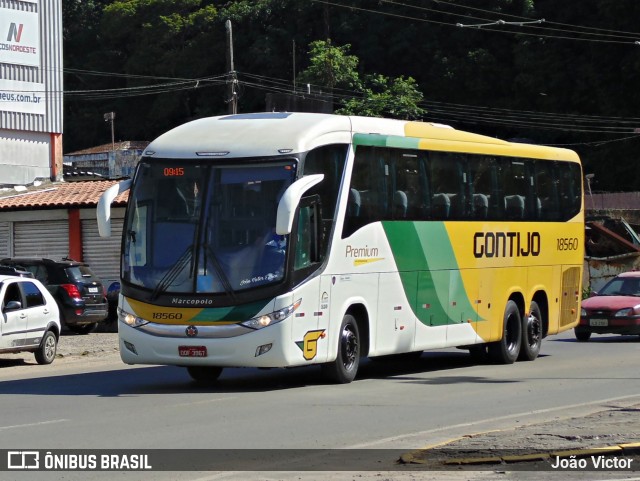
column 369, row 182
column 570, row 189
column 546, row 190
column 447, row 183
column 424, row 204
column 306, row 251
column 408, row 189
column 515, row 179
column 479, row 171
column 328, row 160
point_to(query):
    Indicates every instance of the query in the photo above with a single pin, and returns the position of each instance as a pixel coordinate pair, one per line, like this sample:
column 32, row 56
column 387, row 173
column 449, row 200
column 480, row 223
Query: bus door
column 324, row 316
column 305, row 331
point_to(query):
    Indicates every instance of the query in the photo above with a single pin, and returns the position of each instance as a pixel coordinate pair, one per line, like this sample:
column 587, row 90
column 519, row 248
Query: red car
column 614, row 309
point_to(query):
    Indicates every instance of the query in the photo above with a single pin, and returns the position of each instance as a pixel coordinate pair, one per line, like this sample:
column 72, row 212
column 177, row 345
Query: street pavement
column 605, row 440
column 600, row 440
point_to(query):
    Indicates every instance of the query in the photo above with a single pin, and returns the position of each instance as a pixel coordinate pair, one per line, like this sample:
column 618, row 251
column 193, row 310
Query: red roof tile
column 60, row 195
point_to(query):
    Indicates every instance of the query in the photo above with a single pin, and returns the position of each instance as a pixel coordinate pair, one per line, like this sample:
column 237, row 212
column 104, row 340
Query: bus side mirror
column 103, row 211
column 290, row 200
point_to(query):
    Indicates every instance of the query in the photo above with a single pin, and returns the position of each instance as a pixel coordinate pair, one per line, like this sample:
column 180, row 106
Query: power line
column 467, row 7
column 632, row 40
column 437, row 111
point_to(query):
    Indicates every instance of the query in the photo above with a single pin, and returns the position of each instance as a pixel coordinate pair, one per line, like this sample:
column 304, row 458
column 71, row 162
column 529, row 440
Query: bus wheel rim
column 349, row 346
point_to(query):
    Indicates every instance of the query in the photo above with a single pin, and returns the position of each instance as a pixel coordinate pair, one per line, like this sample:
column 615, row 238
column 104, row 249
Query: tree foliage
column 400, row 59
column 397, row 98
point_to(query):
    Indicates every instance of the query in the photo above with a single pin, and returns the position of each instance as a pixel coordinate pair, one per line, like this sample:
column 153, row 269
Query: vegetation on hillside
column 561, row 73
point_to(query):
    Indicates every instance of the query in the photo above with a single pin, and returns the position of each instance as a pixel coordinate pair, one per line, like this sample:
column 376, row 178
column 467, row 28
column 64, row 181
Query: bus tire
column 344, row 369
column 531, row 334
column 507, row 349
column 204, row 375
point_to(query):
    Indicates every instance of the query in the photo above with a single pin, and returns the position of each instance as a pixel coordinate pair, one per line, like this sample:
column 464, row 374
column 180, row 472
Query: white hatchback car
column 30, row 318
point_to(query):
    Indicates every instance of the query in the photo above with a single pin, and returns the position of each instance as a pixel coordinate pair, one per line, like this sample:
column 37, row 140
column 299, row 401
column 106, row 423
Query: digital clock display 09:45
column 173, row 171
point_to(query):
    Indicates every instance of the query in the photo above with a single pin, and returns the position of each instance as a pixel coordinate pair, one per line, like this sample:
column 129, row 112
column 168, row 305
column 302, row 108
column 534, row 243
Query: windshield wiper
column 173, row 273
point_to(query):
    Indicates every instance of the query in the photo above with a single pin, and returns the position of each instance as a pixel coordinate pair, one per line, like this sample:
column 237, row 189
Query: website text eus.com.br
column 30, row 97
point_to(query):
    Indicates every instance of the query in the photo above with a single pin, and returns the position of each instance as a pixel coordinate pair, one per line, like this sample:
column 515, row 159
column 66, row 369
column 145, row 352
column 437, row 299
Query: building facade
column 57, row 220
column 109, row 161
column 31, row 91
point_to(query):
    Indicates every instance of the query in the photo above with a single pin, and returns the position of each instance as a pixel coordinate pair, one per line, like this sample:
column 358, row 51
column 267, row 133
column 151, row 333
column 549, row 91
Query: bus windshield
column 194, row 227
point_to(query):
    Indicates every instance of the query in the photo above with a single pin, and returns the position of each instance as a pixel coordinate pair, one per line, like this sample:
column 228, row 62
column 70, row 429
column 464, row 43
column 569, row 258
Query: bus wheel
column 531, row 334
column 205, row 375
column 506, row 350
column 343, row 370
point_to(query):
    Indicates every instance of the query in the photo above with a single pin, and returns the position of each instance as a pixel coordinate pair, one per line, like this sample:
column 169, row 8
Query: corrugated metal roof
column 59, row 195
column 106, row 148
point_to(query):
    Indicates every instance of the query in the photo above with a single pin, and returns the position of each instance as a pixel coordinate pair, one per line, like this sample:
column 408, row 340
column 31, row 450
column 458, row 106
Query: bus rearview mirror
column 290, row 200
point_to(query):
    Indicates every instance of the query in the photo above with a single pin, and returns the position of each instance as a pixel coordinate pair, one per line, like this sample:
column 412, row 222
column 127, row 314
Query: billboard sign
column 24, row 97
column 19, row 37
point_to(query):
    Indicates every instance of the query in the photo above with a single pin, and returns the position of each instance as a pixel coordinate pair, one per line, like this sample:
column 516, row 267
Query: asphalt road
column 93, row 401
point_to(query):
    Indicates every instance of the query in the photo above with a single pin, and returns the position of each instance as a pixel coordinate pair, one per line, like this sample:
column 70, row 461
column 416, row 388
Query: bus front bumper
column 268, row 347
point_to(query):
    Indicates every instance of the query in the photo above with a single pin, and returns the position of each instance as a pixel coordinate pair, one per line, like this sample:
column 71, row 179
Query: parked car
column 30, row 318
column 614, row 309
column 80, row 295
column 113, row 292
column 14, row 271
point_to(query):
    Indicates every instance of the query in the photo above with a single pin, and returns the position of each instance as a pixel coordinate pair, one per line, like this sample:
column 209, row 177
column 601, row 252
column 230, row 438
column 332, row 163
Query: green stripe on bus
column 370, row 139
column 394, row 141
column 423, row 247
column 231, row 314
column 402, row 142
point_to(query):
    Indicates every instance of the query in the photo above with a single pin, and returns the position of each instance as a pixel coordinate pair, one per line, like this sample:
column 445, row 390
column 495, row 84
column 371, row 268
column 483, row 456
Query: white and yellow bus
column 290, row 239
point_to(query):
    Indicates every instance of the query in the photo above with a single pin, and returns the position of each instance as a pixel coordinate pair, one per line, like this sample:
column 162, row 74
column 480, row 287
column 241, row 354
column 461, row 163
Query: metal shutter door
column 102, row 253
column 4, row 239
column 48, row 239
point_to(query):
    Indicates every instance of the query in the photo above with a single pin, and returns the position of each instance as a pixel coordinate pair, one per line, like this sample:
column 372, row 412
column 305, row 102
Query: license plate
column 598, row 322
column 192, row 351
column 93, row 290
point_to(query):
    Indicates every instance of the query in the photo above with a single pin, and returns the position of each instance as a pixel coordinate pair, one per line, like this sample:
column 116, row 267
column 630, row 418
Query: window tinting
column 32, row 294
column 394, row 184
column 12, row 294
column 328, row 160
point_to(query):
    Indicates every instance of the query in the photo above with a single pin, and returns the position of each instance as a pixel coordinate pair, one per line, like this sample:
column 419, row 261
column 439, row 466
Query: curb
column 420, row 456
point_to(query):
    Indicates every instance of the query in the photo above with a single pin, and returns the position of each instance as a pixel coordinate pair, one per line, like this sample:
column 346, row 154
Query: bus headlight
column 273, row 317
column 130, row 319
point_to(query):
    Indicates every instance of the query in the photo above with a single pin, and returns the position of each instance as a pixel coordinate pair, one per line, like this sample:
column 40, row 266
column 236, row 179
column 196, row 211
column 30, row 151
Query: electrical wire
column 632, row 40
column 436, row 111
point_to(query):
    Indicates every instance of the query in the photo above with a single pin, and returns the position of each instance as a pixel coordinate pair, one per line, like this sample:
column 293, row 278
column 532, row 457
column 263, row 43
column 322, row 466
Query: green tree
column 333, row 67
column 397, row 98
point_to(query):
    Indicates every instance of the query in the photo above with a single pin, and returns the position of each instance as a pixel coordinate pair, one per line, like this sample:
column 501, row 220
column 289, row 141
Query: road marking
column 405, row 437
column 54, row 421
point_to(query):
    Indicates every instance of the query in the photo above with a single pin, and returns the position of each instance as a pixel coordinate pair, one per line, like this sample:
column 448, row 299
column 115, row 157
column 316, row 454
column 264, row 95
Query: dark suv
column 78, row 292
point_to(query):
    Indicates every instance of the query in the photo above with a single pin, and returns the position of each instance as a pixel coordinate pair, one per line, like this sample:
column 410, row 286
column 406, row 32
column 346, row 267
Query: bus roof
column 281, row 133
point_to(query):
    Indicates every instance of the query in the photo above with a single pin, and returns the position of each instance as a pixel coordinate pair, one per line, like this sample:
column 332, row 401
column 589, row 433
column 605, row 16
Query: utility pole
column 110, row 117
column 233, row 78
